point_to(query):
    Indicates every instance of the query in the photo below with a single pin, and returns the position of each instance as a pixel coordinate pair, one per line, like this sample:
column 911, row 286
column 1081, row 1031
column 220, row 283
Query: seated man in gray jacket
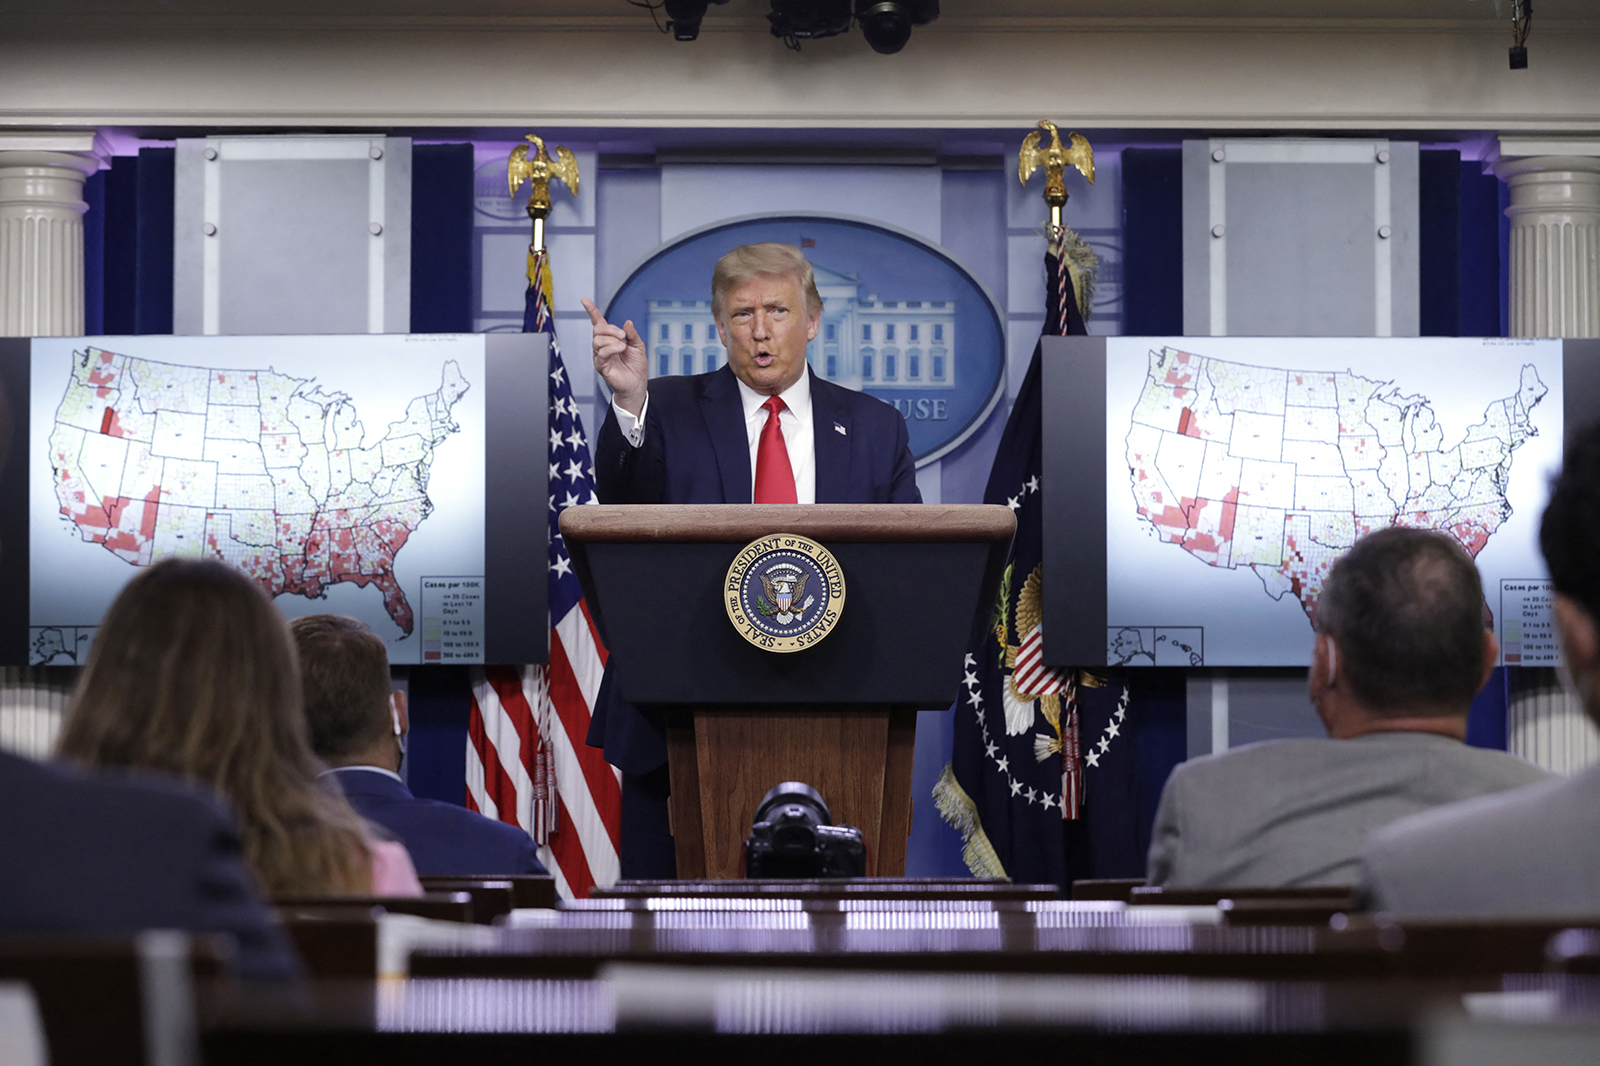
column 1534, row 851
column 1400, row 651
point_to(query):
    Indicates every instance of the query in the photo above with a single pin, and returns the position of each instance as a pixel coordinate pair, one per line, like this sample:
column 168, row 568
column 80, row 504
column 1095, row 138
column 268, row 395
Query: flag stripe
column 518, row 711
column 581, row 806
column 498, row 793
column 475, row 786
column 504, row 737
column 594, row 635
column 588, row 764
column 564, row 890
column 583, row 644
column 1031, row 674
column 568, row 856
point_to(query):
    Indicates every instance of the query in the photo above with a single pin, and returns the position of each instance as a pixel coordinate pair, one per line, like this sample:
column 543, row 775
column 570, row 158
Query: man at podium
column 761, row 429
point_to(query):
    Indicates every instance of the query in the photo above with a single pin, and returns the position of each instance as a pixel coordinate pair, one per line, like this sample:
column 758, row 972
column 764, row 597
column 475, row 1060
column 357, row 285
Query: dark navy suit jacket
column 441, row 837
column 696, row 450
column 114, row 854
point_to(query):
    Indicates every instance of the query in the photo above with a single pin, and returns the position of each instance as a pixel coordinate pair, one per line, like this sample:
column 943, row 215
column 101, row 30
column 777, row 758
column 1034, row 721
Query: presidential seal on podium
column 784, row 592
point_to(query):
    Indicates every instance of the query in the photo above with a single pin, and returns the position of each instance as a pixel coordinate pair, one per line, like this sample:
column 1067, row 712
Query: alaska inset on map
column 1282, row 470
column 262, row 470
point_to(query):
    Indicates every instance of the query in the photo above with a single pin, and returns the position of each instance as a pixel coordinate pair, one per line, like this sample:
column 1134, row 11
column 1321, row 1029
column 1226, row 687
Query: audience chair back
column 443, row 906
column 862, row 888
column 126, row 1001
column 333, row 941
column 1106, row 888
column 527, row 890
column 1205, row 897
column 1574, row 951
column 491, row 898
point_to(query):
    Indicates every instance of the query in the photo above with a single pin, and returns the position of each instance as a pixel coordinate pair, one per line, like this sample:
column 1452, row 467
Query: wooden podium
column 840, row 715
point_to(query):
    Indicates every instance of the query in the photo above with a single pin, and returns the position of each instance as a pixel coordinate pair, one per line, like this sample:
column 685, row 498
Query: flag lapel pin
column 838, row 427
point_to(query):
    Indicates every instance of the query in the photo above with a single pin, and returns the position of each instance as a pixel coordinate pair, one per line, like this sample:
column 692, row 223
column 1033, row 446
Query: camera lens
column 886, row 26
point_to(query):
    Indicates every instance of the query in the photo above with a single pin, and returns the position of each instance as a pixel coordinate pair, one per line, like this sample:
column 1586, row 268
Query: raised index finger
column 595, row 316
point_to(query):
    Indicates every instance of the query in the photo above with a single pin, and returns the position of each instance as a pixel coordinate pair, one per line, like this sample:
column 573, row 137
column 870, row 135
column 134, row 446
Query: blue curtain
column 1152, row 233
column 441, row 238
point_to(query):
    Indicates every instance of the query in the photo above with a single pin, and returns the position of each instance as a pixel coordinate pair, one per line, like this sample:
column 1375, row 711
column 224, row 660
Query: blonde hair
column 769, row 259
column 192, row 673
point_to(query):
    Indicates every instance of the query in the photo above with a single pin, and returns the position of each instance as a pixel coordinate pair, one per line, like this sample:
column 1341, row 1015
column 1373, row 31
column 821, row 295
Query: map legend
column 1527, row 624
column 452, row 619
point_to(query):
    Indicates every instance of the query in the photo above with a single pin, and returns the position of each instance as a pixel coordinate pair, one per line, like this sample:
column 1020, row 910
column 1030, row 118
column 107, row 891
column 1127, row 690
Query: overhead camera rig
column 1521, row 26
column 886, row 24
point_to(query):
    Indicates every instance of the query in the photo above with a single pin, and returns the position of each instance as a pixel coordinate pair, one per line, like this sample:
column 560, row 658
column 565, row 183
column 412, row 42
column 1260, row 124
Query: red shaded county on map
column 264, row 471
column 1283, row 470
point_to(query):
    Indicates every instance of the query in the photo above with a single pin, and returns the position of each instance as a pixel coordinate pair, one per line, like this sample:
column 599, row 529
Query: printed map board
column 1205, row 485
column 344, row 474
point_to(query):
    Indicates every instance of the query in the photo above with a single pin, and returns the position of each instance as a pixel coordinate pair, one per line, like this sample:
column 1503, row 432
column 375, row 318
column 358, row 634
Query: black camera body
column 794, row 837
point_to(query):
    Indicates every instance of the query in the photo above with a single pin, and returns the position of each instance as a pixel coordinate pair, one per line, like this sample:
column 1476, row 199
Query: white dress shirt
column 795, row 421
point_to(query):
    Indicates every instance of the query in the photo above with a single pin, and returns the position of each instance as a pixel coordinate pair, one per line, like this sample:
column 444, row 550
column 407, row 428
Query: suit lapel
column 832, row 446
column 724, row 418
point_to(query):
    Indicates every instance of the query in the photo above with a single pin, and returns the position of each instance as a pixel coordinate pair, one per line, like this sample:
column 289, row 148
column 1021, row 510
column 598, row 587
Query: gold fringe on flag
column 958, row 809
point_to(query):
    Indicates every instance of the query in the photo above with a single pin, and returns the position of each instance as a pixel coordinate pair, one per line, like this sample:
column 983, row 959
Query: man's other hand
column 620, row 358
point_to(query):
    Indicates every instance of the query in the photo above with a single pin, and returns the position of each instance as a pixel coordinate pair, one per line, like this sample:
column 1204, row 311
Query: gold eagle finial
column 539, row 171
column 1056, row 158
column 1076, row 257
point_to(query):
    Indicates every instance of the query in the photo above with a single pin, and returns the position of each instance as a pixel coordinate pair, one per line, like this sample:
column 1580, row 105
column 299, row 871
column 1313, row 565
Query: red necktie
column 774, row 475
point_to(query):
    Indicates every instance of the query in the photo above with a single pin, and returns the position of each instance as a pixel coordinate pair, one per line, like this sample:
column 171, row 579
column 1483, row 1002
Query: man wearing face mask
column 358, row 726
column 1534, row 851
column 1400, row 651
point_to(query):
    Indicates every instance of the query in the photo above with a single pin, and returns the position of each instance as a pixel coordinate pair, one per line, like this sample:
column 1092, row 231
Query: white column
column 1555, row 234
column 41, row 231
column 1554, row 292
column 41, row 294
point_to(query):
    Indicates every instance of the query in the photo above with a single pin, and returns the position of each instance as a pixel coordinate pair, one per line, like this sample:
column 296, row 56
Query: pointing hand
column 621, row 359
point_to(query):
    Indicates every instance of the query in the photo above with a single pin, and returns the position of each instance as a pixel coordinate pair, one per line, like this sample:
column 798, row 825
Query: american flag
column 527, row 760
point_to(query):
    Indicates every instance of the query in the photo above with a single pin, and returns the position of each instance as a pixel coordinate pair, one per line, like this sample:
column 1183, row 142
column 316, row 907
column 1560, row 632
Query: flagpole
column 524, row 764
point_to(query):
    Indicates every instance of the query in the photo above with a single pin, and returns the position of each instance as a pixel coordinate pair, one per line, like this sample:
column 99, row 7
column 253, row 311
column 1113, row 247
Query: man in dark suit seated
column 761, row 429
column 358, row 725
column 1534, row 851
column 115, row 854
column 1401, row 650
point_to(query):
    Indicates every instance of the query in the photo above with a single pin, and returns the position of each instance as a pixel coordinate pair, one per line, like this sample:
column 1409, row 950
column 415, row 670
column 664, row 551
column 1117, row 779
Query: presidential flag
column 1030, row 738
column 527, row 760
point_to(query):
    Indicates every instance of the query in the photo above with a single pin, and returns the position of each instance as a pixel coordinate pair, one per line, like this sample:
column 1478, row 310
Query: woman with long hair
column 193, row 673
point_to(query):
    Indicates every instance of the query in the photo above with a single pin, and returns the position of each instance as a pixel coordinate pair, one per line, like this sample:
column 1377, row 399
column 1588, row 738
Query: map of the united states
column 1282, row 470
column 262, row 470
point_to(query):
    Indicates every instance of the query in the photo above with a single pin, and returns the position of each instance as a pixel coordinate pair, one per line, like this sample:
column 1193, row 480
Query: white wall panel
column 695, row 195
